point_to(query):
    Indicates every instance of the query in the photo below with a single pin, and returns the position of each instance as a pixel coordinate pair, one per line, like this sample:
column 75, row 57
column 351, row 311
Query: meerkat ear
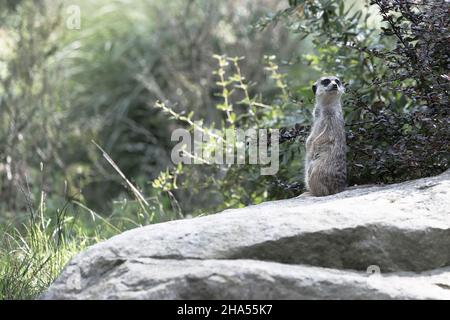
column 314, row 88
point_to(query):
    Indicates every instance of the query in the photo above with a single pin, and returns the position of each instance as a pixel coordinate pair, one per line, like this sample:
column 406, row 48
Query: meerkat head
column 328, row 89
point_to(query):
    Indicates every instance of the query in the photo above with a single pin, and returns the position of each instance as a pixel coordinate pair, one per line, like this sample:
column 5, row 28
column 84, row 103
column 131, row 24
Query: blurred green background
column 62, row 88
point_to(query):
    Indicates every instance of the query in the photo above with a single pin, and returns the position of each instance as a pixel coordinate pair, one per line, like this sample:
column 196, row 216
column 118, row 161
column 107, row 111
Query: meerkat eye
column 325, row 82
column 338, row 82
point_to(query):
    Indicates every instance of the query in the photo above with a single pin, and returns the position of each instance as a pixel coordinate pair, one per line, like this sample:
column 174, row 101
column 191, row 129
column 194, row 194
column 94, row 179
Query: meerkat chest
column 326, row 132
column 327, row 137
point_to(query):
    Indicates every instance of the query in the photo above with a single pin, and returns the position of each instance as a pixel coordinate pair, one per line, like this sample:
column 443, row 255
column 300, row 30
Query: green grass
column 32, row 255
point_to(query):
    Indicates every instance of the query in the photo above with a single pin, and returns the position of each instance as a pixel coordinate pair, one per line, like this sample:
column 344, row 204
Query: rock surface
column 305, row 248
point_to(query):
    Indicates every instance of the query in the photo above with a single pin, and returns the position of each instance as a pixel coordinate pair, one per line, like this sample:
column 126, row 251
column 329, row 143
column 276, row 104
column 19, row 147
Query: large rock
column 306, row 248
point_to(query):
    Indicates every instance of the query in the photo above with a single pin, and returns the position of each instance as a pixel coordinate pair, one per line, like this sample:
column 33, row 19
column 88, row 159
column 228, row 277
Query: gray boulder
column 304, row 248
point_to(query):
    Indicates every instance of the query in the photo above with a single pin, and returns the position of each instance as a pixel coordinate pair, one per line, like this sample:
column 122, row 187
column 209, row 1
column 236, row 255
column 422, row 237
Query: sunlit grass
column 32, row 255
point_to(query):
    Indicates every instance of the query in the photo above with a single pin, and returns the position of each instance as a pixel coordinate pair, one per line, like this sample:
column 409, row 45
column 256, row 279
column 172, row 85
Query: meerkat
column 325, row 160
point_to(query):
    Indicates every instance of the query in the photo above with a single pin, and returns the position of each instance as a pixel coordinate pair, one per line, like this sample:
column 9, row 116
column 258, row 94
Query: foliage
column 62, row 89
column 33, row 253
column 396, row 111
column 238, row 185
column 131, row 56
column 31, row 113
column 32, row 257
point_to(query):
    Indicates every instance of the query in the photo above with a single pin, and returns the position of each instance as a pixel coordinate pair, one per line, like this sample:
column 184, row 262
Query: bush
column 99, row 83
column 396, row 112
column 397, row 75
column 60, row 89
